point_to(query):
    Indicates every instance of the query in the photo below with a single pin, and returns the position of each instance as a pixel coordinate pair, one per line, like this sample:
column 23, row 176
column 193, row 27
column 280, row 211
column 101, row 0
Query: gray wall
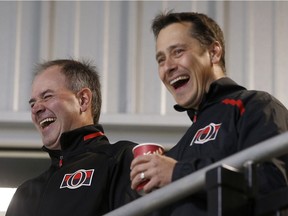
column 116, row 36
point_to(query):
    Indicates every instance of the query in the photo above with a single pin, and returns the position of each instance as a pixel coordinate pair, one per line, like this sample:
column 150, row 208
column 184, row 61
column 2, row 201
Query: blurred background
column 116, row 36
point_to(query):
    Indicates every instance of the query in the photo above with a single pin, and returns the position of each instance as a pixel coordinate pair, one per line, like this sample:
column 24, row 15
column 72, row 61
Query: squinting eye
column 47, row 96
column 160, row 60
column 178, row 52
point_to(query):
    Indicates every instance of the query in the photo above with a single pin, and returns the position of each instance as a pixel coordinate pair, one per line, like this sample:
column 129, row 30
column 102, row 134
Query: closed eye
column 47, row 96
column 44, row 97
column 31, row 104
column 178, row 52
column 160, row 60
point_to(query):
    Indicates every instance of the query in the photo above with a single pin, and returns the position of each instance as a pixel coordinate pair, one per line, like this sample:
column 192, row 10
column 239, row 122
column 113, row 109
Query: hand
column 157, row 168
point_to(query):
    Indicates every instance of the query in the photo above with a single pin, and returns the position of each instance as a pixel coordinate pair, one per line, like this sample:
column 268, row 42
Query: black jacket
column 89, row 177
column 229, row 119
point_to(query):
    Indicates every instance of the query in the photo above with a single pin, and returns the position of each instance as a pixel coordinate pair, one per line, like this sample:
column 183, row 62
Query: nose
column 170, row 65
column 38, row 107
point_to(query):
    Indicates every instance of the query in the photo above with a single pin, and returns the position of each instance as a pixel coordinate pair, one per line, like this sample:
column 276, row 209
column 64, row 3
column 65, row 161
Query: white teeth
column 178, row 78
column 44, row 121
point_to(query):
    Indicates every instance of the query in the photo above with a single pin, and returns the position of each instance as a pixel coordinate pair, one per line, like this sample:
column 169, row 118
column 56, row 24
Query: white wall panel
column 27, row 52
column 116, row 35
column 64, row 24
column 117, row 58
column 150, row 90
column 8, row 23
column 133, row 46
column 91, row 34
column 263, row 46
column 280, row 59
column 235, row 41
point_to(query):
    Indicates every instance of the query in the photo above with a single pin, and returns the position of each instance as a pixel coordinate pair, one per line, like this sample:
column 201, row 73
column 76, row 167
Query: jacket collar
column 77, row 137
column 78, row 141
column 218, row 90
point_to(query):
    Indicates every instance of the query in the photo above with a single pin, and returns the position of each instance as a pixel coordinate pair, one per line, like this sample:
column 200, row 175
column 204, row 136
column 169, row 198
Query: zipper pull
column 195, row 117
column 61, row 161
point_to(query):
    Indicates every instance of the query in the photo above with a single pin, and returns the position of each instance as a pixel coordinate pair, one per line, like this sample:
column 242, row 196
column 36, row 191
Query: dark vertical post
column 227, row 192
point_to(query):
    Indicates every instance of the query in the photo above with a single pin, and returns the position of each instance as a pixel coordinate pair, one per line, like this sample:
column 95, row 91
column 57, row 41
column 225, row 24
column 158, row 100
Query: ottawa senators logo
column 77, row 179
column 206, row 134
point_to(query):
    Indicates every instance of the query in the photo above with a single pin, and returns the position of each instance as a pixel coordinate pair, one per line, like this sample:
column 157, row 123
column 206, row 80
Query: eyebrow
column 158, row 54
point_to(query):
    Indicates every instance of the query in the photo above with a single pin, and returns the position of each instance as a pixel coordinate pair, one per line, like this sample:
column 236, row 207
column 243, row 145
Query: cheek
column 67, row 109
column 33, row 118
column 161, row 74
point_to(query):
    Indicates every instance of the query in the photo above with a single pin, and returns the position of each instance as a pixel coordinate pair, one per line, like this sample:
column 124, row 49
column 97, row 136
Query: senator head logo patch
column 77, row 179
column 206, row 134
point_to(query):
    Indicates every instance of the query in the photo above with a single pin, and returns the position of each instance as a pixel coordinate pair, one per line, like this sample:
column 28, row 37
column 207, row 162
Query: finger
column 138, row 160
column 138, row 169
column 142, row 176
column 138, row 165
column 138, row 179
column 150, row 186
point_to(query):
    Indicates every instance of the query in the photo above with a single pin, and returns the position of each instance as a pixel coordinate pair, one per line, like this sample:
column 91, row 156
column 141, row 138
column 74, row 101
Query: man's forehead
column 49, row 79
column 51, row 73
column 172, row 35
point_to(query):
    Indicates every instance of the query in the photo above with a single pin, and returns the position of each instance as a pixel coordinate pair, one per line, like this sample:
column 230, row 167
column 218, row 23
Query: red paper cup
column 146, row 149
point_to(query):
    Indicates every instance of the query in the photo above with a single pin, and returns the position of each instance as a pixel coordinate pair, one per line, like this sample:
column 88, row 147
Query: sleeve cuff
column 181, row 169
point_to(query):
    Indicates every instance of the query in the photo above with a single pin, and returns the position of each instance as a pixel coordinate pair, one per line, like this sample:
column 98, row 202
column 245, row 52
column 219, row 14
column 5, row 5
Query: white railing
column 194, row 182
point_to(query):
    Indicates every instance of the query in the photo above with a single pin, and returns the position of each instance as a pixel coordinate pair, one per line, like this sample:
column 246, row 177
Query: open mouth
column 46, row 122
column 179, row 81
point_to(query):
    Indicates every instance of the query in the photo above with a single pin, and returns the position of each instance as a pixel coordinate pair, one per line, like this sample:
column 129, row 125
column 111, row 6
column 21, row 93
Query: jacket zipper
column 195, row 116
column 61, row 161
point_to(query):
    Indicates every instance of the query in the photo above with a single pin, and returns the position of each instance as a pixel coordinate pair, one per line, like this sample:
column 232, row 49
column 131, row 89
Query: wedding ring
column 142, row 176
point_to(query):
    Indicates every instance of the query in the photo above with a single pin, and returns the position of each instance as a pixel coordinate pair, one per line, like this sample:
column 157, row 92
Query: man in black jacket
column 88, row 175
column 226, row 118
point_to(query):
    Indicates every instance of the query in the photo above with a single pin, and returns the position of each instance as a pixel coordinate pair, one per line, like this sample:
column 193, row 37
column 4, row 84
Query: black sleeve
column 264, row 117
column 22, row 204
column 121, row 192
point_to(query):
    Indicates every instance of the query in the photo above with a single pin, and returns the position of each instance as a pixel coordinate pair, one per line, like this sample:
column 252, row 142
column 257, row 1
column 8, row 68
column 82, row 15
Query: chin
column 187, row 105
column 183, row 104
column 52, row 146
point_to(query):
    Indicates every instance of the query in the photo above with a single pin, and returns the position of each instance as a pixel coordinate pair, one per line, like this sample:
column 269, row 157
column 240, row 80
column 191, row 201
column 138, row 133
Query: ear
column 85, row 99
column 215, row 52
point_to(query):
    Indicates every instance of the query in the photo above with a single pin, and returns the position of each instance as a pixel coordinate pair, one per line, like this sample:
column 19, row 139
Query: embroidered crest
column 206, row 134
column 77, row 179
